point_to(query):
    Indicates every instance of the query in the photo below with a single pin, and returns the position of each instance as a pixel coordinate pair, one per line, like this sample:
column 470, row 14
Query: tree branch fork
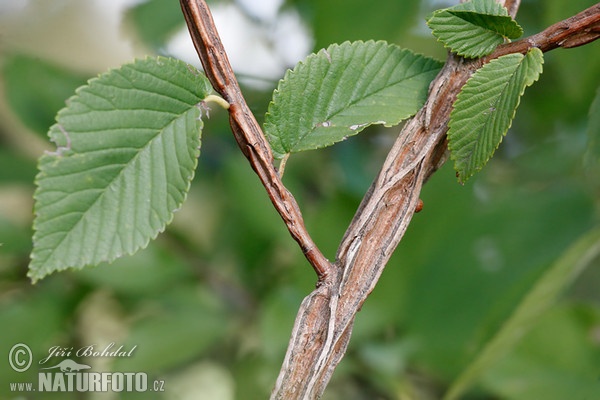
column 324, row 321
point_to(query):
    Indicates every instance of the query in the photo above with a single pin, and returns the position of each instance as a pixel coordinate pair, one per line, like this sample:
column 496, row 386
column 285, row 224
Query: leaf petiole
column 282, row 164
column 213, row 98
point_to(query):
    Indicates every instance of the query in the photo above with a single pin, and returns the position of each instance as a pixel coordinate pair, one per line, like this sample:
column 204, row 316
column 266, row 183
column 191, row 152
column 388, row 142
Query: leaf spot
column 203, row 108
column 358, row 126
column 60, row 149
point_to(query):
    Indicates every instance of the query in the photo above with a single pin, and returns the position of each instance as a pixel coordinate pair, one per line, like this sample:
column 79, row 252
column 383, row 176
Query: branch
column 325, row 319
column 324, row 322
column 246, row 130
column 578, row 30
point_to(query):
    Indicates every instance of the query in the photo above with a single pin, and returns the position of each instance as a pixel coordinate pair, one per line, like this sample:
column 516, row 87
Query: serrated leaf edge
column 354, row 129
column 36, row 275
column 468, row 8
column 533, row 52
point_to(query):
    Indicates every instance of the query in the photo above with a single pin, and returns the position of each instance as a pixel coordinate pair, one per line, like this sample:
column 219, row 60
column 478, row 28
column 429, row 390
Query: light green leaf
column 541, row 296
column 475, row 28
column 338, row 92
column 128, row 144
column 485, row 107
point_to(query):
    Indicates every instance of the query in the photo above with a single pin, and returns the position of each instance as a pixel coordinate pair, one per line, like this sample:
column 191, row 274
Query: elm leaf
column 475, row 28
column 340, row 91
column 128, row 144
column 485, row 107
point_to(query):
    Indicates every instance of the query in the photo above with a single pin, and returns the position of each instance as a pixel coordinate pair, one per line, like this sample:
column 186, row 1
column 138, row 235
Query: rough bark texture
column 325, row 319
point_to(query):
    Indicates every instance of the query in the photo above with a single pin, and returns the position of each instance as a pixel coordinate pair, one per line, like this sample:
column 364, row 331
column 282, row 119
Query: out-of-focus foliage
column 53, row 84
column 155, row 21
column 210, row 304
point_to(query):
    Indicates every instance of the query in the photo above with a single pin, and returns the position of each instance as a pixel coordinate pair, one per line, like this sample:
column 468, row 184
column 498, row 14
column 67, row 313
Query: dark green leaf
column 485, row 107
column 338, row 92
column 475, row 28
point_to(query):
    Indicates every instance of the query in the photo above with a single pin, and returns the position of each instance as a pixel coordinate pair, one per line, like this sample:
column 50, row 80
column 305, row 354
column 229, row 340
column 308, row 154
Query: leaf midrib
column 107, row 188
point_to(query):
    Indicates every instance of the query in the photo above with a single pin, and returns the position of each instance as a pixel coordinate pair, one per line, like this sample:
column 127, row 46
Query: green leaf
column 128, row 144
column 338, row 92
column 485, row 107
column 541, row 296
column 473, row 29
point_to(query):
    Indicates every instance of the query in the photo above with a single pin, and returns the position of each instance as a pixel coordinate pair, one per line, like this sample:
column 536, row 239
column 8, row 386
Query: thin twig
column 575, row 31
column 246, row 130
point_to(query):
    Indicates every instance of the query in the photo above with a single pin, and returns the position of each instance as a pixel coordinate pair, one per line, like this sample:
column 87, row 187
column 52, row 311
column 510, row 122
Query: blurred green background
column 210, row 304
